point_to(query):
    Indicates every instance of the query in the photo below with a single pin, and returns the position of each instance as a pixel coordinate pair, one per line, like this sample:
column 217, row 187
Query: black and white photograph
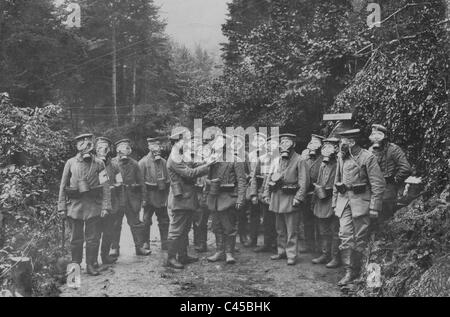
column 227, row 155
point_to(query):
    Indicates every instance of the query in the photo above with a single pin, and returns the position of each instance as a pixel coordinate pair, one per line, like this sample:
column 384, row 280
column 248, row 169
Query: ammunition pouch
column 359, row 188
column 214, row 186
column 161, row 184
column 177, row 189
column 341, row 188
column 290, row 189
column 151, row 186
column 227, row 187
column 72, row 193
column 323, row 193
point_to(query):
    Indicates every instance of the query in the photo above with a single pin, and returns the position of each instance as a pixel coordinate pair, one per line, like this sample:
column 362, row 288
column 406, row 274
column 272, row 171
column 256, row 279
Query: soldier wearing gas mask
column 129, row 188
column 226, row 186
column 393, row 164
column 285, row 192
column 83, row 199
column 260, row 168
column 328, row 223
column 357, row 196
column 308, row 235
column 183, row 200
column 103, row 151
column 156, row 177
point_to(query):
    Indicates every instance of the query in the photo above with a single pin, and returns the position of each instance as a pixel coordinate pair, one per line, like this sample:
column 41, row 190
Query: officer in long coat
column 103, row 151
column 129, row 188
column 183, row 200
column 83, row 199
column 285, row 191
column 308, row 238
column 357, row 196
column 225, row 198
column 394, row 165
column 156, row 177
column 261, row 162
column 328, row 223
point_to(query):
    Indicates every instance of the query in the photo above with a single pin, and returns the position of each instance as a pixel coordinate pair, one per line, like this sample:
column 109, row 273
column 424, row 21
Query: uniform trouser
column 179, row 227
column 353, row 232
column 224, row 224
column 106, row 226
column 200, row 226
column 242, row 223
column 163, row 222
column 308, row 225
column 389, row 203
column 269, row 225
column 136, row 227
column 82, row 231
column 255, row 221
column 287, row 230
column 329, row 231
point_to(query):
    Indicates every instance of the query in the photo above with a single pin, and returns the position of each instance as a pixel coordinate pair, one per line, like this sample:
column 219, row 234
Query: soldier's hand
column 296, row 202
column 104, row 213
column 254, row 200
column 267, row 200
column 373, row 214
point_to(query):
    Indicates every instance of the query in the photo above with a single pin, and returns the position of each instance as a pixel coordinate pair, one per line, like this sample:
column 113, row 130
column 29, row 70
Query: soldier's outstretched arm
column 337, row 179
column 187, row 172
column 141, row 181
column 64, row 181
column 106, row 201
column 377, row 183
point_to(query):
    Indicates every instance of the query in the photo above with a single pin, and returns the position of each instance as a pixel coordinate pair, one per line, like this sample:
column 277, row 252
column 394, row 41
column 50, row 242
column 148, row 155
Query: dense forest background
column 285, row 63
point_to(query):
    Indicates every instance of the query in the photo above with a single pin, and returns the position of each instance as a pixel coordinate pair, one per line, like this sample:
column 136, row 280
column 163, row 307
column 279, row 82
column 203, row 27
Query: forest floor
column 253, row 275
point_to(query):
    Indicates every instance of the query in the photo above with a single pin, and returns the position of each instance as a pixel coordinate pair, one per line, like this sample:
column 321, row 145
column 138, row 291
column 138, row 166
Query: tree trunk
column 114, row 76
column 134, row 90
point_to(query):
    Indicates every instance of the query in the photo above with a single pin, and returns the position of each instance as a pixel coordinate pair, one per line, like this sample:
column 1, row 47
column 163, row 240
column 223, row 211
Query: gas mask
column 103, row 150
column 286, row 147
column 377, row 138
column 85, row 147
column 124, row 151
column 155, row 149
column 259, row 143
column 314, row 147
column 328, row 152
column 346, row 146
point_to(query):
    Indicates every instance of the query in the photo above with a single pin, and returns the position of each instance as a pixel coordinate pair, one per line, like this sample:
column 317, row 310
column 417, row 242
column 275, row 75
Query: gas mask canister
column 85, row 147
column 124, row 151
column 377, row 137
column 286, row 147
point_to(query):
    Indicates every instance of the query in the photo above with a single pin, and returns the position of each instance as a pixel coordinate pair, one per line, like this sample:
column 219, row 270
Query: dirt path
column 253, row 275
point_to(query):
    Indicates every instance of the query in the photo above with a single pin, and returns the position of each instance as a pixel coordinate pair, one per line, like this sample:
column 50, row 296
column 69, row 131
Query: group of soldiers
column 324, row 198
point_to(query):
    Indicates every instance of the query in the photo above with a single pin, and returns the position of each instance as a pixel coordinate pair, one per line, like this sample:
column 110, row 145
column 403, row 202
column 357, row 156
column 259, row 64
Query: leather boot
column 336, row 256
column 357, row 263
column 324, row 258
column 163, row 233
column 348, row 265
column 229, row 250
column 186, row 259
column 220, row 252
column 202, row 247
column 90, row 260
column 172, row 250
column 106, row 259
column 138, row 237
column 77, row 254
column 146, row 245
column 243, row 239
